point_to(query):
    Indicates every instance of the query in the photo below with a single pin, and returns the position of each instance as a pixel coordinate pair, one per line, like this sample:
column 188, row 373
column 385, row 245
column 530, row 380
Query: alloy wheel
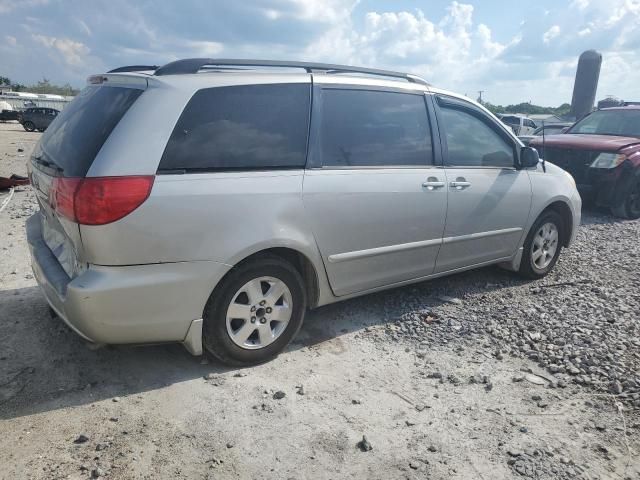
column 544, row 245
column 259, row 313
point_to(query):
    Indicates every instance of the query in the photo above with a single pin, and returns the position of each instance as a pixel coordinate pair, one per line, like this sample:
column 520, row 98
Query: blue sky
column 515, row 51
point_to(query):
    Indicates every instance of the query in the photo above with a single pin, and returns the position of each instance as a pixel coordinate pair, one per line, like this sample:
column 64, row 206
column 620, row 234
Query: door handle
column 460, row 184
column 432, row 183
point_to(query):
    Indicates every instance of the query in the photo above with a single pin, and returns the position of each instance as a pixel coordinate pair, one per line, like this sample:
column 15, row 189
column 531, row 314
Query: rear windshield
column 75, row 137
column 610, row 122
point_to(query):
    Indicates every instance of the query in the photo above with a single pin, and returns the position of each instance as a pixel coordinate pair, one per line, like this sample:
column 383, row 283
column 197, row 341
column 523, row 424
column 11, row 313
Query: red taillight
column 62, row 195
column 99, row 200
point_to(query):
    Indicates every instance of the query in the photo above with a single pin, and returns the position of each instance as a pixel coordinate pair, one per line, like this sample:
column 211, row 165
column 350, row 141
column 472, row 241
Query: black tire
column 528, row 268
column 28, row 126
column 41, row 130
column 630, row 207
column 216, row 339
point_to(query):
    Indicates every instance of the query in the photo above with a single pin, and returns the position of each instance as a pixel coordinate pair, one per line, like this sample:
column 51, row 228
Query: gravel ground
column 580, row 323
column 478, row 375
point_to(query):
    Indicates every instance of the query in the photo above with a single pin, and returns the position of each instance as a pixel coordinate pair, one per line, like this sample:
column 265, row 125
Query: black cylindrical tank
column 586, row 84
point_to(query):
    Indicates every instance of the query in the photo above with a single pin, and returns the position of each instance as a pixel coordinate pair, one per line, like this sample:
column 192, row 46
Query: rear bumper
column 125, row 304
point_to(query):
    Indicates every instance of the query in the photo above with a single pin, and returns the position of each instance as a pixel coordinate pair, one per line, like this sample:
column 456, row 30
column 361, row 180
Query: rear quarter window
column 241, row 128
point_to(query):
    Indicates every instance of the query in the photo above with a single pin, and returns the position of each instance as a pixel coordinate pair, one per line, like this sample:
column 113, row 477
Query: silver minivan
column 212, row 202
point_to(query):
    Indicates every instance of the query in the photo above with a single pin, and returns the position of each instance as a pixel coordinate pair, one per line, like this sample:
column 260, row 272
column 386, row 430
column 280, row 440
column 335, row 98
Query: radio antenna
column 544, row 150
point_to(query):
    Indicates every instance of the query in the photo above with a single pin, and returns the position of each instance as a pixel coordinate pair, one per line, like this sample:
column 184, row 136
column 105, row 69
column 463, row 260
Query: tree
column 42, row 86
column 563, row 109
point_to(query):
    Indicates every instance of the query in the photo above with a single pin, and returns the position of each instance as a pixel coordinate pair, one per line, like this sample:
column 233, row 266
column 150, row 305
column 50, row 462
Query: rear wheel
column 255, row 312
column 29, row 126
column 630, row 207
column 542, row 246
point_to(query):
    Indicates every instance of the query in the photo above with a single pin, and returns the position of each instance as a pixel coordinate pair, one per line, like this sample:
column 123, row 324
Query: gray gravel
column 580, row 323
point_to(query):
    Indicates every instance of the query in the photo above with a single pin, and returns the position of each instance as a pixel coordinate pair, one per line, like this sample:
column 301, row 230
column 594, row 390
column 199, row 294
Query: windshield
column 624, row 123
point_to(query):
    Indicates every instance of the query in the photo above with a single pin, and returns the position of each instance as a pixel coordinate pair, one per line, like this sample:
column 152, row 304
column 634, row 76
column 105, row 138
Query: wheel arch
column 563, row 209
column 301, row 262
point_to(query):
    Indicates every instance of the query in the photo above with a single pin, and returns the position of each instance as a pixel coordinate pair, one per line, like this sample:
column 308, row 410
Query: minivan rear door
column 66, row 151
column 373, row 192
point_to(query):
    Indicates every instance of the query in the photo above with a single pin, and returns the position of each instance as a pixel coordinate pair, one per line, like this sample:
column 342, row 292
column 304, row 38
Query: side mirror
column 529, row 157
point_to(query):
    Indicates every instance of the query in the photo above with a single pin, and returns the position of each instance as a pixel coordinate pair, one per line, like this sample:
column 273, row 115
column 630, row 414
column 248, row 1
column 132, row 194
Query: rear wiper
column 48, row 164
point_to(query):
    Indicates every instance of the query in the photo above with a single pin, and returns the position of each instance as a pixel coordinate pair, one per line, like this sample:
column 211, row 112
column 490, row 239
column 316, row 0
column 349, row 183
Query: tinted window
column 511, row 120
column 367, row 128
column 610, row 122
column 243, row 127
column 76, row 135
column 472, row 142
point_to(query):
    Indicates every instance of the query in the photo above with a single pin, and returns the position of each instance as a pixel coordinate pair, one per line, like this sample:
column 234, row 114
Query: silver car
column 212, row 202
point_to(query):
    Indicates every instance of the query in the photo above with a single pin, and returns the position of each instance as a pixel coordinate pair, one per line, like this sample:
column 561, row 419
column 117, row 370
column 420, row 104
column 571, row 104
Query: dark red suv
column 602, row 152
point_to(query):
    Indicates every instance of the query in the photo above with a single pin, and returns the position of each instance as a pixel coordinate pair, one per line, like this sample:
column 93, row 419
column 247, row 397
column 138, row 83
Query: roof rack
column 134, row 68
column 194, row 65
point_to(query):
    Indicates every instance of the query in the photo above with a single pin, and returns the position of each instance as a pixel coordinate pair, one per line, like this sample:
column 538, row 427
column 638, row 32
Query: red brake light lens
column 62, row 195
column 100, row 200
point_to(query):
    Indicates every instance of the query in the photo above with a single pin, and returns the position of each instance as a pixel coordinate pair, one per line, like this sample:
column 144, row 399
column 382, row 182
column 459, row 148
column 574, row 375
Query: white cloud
column 10, row 5
column 203, row 48
column 550, row 34
column 72, row 52
column 491, row 47
column 11, row 41
column 450, row 52
column 325, row 11
column 445, row 44
column 320, row 10
column 580, row 4
column 625, row 10
column 84, row 27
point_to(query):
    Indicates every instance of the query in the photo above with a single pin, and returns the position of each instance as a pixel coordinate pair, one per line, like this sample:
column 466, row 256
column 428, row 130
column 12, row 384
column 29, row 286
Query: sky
column 515, row 51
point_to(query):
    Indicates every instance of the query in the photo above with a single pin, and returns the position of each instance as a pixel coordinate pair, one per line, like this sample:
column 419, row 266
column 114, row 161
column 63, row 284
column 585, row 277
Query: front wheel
column 255, row 312
column 542, row 246
column 29, row 126
column 630, row 207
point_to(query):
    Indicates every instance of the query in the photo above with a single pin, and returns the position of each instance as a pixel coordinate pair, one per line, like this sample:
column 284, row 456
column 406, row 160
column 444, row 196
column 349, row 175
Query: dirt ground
column 70, row 411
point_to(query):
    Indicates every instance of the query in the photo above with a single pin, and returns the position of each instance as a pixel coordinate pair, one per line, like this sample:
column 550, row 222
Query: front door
column 375, row 200
column 489, row 199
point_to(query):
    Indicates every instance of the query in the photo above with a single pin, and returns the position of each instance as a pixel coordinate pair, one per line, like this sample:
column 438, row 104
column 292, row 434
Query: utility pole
column 480, row 96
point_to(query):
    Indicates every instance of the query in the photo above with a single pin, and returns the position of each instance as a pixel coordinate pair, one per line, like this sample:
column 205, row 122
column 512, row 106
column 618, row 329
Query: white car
column 519, row 124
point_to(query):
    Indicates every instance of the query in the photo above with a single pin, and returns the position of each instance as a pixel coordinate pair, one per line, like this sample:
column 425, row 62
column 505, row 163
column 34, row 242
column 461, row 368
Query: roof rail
column 194, row 65
column 134, row 68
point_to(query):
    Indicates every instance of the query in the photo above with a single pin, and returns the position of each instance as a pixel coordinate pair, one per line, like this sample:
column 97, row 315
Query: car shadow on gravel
column 330, row 322
column 592, row 215
column 45, row 366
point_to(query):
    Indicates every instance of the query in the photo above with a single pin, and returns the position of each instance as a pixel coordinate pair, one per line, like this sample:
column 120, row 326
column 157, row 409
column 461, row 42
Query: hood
column 602, row 143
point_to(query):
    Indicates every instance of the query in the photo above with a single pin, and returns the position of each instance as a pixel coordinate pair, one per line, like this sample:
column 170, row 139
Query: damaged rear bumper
column 127, row 304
